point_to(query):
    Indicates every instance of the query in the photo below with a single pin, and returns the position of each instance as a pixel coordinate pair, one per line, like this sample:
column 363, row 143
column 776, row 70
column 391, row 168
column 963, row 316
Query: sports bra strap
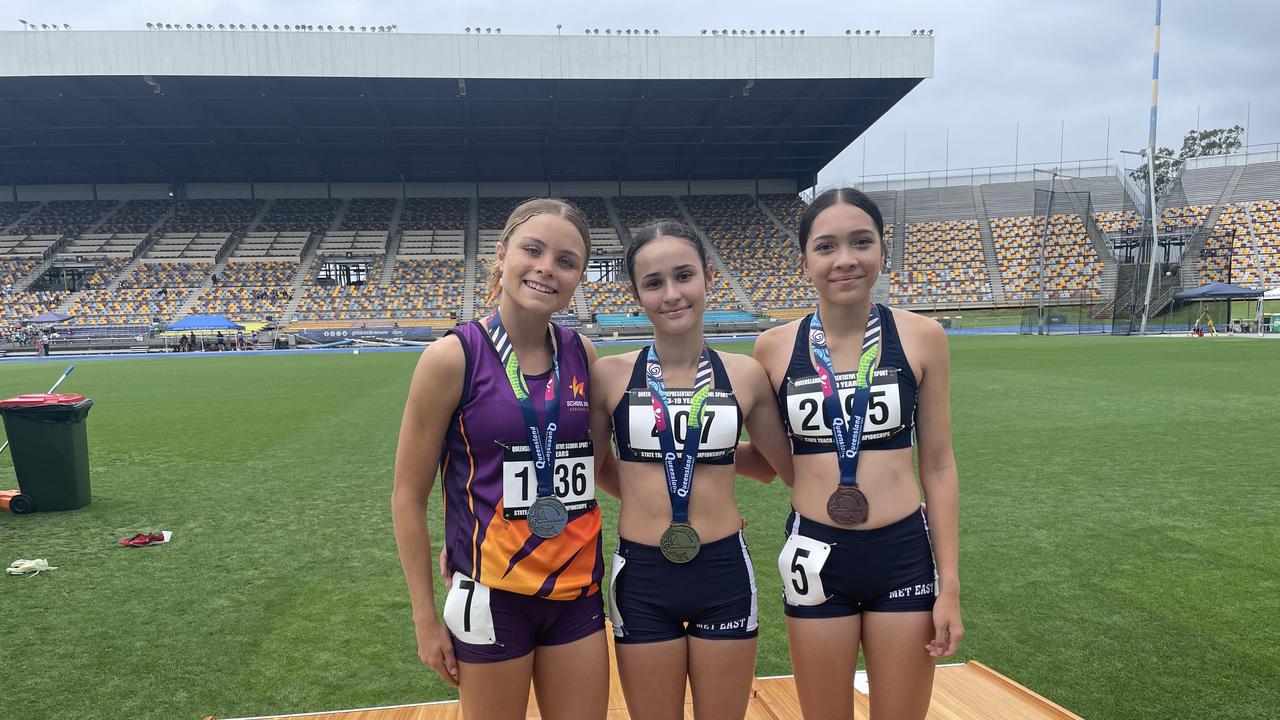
column 719, row 375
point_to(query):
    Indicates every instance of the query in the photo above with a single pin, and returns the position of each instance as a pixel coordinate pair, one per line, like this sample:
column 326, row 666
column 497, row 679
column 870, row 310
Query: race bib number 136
column 573, row 478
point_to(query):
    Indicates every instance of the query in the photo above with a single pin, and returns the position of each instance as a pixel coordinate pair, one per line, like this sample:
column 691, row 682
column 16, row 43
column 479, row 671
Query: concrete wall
column 439, row 190
column 264, row 191
column 217, row 191
column 366, row 190
column 413, row 55
column 151, row 191
column 55, row 192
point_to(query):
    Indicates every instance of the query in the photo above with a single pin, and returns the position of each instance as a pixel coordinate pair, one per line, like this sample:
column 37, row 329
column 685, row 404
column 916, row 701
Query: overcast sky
column 1048, row 74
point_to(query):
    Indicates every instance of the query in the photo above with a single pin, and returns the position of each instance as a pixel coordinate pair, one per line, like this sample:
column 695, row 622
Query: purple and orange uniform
column 487, row 537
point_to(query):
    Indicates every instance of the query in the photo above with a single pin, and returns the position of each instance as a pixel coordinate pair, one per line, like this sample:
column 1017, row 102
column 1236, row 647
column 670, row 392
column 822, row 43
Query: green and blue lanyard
column 678, row 469
column 542, row 441
column 847, row 435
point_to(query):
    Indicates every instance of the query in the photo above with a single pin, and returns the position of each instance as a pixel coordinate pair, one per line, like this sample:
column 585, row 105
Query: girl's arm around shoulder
column 926, row 344
column 924, row 341
column 750, row 463
column 605, row 391
column 768, row 454
column 772, row 349
column 589, row 347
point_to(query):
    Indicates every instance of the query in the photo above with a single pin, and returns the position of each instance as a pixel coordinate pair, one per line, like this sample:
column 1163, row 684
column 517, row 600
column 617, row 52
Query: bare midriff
column 886, row 477
column 646, row 506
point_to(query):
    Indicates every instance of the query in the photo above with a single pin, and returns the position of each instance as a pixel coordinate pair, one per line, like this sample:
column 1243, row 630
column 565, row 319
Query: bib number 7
column 467, row 613
column 800, row 564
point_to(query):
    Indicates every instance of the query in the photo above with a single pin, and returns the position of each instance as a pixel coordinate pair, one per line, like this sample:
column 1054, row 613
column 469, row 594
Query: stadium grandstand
column 263, row 188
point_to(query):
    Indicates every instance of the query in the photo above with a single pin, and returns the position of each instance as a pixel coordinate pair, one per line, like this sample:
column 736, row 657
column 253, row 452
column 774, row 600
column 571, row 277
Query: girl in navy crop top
column 861, row 560
column 660, row 594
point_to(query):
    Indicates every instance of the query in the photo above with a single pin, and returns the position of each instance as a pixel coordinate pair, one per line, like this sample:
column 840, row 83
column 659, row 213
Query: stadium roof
column 215, row 106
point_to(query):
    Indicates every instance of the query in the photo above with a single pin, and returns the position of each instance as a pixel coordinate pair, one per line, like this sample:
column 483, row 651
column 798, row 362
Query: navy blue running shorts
column 713, row 596
column 837, row 572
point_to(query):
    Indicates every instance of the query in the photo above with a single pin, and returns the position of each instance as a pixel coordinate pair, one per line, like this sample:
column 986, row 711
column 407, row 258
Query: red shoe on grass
column 145, row 539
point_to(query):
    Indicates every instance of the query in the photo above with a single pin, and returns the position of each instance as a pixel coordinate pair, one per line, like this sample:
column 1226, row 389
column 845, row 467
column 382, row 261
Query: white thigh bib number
column 884, row 409
column 800, row 565
column 615, row 616
column 573, row 479
column 467, row 613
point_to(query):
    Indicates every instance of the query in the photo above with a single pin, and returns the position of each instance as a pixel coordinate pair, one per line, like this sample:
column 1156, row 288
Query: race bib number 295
column 884, row 410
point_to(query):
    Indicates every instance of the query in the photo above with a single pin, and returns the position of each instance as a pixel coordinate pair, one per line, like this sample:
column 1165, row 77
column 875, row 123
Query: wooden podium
column 962, row 691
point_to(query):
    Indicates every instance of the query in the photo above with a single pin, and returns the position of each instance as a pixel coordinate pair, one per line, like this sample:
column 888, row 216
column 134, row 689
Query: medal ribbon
column 847, row 434
column 679, row 470
column 542, row 441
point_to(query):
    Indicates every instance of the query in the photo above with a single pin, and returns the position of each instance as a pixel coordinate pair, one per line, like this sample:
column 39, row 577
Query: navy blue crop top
column 636, row 435
column 891, row 414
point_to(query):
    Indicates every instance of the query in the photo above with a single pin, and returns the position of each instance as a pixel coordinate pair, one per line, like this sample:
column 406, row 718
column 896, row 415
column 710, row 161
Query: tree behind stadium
column 1197, row 143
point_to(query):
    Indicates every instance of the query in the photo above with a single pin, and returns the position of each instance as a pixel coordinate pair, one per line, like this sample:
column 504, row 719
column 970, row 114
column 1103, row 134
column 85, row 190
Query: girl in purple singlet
column 499, row 408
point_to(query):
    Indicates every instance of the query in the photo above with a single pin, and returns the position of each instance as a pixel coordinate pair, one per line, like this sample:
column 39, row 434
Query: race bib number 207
column 719, row 423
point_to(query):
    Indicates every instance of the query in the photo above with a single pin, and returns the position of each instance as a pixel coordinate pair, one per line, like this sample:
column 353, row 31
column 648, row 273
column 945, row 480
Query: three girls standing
column 855, row 380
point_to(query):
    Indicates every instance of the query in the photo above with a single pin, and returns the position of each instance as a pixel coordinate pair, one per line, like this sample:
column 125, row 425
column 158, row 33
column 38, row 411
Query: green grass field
column 1119, row 505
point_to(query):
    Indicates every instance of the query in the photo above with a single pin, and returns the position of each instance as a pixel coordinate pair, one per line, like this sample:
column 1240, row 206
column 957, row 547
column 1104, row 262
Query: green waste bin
column 50, row 448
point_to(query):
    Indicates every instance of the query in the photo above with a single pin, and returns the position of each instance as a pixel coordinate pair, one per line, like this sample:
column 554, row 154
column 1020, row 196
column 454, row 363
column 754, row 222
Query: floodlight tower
column 1044, row 238
column 1151, row 169
column 1153, row 219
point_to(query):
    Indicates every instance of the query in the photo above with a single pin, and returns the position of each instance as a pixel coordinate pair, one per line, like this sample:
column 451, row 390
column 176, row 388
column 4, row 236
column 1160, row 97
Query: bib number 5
column 800, row 564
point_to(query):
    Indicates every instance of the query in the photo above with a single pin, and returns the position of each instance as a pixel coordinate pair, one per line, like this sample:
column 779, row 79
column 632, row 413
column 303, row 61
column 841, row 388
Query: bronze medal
column 680, row 543
column 848, row 506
